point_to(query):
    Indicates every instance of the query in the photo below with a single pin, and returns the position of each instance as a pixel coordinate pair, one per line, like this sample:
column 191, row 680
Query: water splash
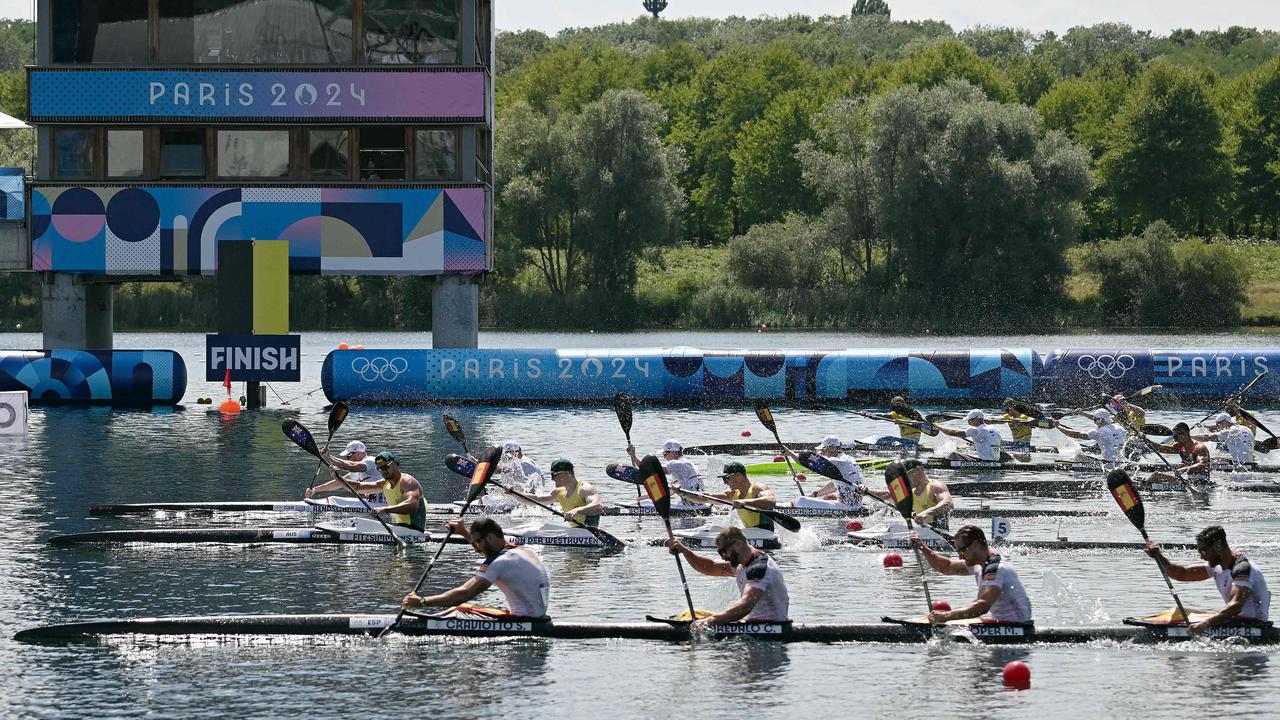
column 1071, row 606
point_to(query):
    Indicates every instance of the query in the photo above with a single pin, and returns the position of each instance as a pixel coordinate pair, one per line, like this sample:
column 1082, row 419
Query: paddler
column 1237, row 438
column 846, row 489
column 1107, row 435
column 931, row 501
column 985, row 439
column 899, row 410
column 1000, row 592
column 1241, row 416
column 1241, row 584
column 528, row 474
column 681, row 472
column 1134, row 415
column 580, row 501
column 1194, row 456
column 406, row 504
column 517, row 571
column 359, row 466
column 763, row 593
column 752, row 494
column 1020, row 425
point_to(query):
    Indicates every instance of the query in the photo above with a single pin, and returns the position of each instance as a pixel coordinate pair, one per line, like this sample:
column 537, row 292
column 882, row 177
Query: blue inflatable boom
column 100, row 377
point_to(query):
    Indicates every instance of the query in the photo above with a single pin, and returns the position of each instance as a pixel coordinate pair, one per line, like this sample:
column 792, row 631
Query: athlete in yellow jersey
column 930, row 499
column 1133, row 415
column 1019, row 422
column 749, row 493
column 405, row 501
column 579, row 500
column 900, row 410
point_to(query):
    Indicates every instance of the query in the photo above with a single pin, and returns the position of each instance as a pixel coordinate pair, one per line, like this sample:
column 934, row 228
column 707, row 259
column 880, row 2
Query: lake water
column 72, row 458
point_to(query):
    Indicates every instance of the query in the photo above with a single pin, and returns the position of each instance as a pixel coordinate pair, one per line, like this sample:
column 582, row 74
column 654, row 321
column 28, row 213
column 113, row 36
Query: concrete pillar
column 455, row 312
column 76, row 315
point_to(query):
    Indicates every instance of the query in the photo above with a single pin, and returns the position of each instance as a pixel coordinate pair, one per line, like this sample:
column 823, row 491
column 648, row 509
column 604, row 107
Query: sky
column 1160, row 16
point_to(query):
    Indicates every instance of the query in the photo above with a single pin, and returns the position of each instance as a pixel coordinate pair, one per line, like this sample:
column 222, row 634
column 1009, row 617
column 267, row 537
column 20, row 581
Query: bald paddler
column 579, row 500
column 752, row 494
column 1000, row 592
column 763, row 593
column 1194, row 456
column 931, row 501
column 1237, row 438
column 359, row 467
column 984, row 438
column 681, row 472
column 1107, row 435
column 1240, row 583
column 846, row 489
column 406, row 505
column 516, row 571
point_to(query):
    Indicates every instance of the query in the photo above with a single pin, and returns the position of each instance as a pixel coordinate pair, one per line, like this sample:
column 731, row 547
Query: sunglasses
column 961, row 548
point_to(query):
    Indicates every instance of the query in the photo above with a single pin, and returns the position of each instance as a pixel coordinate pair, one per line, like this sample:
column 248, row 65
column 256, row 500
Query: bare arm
column 412, row 497
column 1181, row 573
column 594, row 505
column 1239, row 596
column 944, row 565
column 464, row 592
column 765, row 500
column 953, row 432
column 942, row 503
column 702, row 563
column 1078, row 435
column 986, row 597
column 739, row 609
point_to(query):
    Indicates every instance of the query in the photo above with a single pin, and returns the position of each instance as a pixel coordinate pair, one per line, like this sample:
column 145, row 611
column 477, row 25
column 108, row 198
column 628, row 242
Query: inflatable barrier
column 718, row 377
column 98, row 377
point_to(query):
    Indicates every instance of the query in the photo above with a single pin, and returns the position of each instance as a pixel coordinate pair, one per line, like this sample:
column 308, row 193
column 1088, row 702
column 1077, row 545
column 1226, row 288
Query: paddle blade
column 654, row 479
column 625, row 473
column 454, row 429
column 484, row 470
column 895, row 478
column 622, row 406
column 337, row 414
column 1146, row 391
column 463, row 466
column 1028, row 409
column 300, row 436
column 766, row 417
column 1126, row 496
column 1156, row 429
column 815, row 462
column 1267, row 445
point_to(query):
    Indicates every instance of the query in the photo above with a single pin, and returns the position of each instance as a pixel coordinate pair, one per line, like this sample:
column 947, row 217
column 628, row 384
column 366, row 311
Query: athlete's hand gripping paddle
column 487, row 465
column 455, row 432
column 654, row 479
column 302, row 437
column 1126, row 496
column 765, row 416
column 900, row 491
column 622, row 408
column 337, row 414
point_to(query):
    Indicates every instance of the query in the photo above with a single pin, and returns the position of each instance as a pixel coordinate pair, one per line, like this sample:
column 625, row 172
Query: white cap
column 828, row 441
column 353, row 447
column 672, row 446
column 510, row 446
column 975, row 415
column 1101, row 416
column 1223, row 419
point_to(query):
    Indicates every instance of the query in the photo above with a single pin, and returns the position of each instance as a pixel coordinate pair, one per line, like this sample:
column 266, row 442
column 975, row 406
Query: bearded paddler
column 931, row 501
column 406, row 505
column 516, row 571
column 1239, row 582
column 1194, row 456
column 752, row 494
column 1000, row 591
column 763, row 593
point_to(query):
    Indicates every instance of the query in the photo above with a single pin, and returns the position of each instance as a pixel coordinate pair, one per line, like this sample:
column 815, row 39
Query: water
column 73, row 458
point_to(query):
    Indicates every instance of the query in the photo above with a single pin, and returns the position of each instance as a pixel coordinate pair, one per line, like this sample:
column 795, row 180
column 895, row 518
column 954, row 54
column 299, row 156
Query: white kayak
column 704, row 536
column 895, row 535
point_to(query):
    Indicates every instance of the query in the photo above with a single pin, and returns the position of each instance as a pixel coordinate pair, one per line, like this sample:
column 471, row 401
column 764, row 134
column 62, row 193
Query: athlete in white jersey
column 516, row 571
column 1239, row 582
column 681, row 471
column 985, row 439
column 1109, row 437
column 359, row 466
column 1000, row 592
column 844, row 489
column 762, row 591
column 1237, row 438
column 528, row 477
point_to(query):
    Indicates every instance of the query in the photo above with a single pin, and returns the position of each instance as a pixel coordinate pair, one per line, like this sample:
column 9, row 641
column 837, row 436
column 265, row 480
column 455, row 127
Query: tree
column 1165, row 157
column 945, row 60
column 1254, row 122
column 871, row 7
column 1138, row 277
column 767, row 180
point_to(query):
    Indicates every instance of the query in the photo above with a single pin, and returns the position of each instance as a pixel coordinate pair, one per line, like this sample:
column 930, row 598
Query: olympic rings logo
column 1106, row 366
column 379, row 368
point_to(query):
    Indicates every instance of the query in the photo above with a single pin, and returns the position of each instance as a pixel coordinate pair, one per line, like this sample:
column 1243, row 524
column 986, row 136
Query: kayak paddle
column 825, row 468
column 295, row 431
column 485, row 468
column 766, row 418
column 1234, row 397
column 1126, row 496
column 900, row 491
column 601, row 535
column 654, row 479
column 455, row 432
column 337, row 414
column 786, row 521
column 622, row 408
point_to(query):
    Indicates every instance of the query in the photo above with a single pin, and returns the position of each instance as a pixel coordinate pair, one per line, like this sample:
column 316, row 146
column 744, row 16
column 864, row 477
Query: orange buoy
column 892, row 560
column 942, row 605
column 230, row 406
column 343, row 346
column 1017, row 675
column 853, row 525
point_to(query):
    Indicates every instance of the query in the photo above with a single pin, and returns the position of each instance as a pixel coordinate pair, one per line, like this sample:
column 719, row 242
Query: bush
column 1213, row 280
column 777, row 255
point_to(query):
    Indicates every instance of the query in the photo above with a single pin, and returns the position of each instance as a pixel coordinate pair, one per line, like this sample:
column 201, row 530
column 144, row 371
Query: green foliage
column 766, row 169
column 946, row 60
column 1213, row 283
column 1253, row 119
column 778, row 256
column 871, row 7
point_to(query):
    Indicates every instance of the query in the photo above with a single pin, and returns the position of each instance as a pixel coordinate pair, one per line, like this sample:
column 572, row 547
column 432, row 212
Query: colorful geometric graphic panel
column 103, row 377
column 167, row 231
column 12, row 181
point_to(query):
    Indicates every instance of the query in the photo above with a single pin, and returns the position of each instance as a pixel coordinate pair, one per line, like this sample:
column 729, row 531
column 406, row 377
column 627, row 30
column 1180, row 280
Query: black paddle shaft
column 1130, row 502
column 337, row 414
column 655, row 483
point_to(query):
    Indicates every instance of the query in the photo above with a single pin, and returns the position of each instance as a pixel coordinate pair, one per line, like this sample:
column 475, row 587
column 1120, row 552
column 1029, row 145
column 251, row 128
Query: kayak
column 782, row 469
column 895, row 536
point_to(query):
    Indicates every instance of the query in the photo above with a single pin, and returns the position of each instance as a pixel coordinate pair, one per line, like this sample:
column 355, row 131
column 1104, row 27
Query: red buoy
column 942, row 605
column 746, row 433
column 801, row 477
column 1017, row 675
column 854, row 525
column 892, row 560
column 230, row 406
column 779, row 458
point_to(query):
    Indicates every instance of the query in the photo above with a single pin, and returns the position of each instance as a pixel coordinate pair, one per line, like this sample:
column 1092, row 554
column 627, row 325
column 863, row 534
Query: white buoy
column 13, row 413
